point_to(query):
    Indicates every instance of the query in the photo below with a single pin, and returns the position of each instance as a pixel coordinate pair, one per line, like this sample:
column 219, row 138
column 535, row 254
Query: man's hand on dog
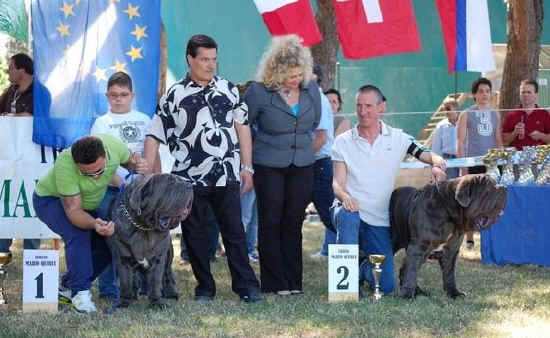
column 104, row 228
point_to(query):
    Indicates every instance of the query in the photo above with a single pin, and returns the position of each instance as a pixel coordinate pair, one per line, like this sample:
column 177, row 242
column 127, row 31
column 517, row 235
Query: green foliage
column 14, row 20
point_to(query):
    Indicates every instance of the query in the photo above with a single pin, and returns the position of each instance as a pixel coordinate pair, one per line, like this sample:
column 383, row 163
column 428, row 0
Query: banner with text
column 22, row 163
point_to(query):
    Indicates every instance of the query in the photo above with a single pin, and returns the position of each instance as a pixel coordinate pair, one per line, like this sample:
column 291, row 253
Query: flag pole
column 456, row 85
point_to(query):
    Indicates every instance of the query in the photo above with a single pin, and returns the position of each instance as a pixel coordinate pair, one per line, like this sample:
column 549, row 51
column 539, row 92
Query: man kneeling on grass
column 70, row 200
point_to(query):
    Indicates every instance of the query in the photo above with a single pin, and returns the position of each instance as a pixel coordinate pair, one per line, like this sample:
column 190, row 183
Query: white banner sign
column 22, row 163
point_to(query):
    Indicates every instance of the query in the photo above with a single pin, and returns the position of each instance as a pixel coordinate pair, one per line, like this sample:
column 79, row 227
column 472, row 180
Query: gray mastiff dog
column 150, row 206
column 424, row 219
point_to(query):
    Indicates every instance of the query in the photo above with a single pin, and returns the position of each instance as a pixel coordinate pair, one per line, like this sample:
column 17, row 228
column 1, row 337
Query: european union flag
column 77, row 45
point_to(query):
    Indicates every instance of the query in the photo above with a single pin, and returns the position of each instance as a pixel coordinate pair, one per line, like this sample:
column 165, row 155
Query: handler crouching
column 71, row 200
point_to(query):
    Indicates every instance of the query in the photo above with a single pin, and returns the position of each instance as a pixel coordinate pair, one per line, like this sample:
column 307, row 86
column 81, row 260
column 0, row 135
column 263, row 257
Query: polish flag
column 466, row 34
column 284, row 17
column 370, row 28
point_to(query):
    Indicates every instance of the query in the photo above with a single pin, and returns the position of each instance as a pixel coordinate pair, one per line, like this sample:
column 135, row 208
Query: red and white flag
column 284, row 17
column 369, row 28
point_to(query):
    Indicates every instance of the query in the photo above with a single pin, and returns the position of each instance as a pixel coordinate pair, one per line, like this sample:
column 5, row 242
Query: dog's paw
column 407, row 293
column 158, row 306
column 124, row 303
column 454, row 294
column 169, row 292
column 421, row 292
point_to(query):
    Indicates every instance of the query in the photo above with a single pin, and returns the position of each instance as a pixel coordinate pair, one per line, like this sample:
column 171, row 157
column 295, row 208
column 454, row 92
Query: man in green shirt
column 68, row 199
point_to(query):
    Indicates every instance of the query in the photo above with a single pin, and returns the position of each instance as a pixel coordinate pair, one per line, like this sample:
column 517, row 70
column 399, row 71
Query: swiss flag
column 369, row 28
column 284, row 17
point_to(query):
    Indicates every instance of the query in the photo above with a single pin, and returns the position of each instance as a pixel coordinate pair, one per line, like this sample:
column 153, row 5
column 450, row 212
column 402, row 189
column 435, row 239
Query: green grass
column 501, row 301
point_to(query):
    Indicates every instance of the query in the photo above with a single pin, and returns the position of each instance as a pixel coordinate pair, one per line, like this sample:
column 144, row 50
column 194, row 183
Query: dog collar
column 125, row 212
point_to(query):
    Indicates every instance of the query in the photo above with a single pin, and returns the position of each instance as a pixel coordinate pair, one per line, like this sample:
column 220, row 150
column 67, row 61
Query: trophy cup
column 377, row 260
column 490, row 160
column 5, row 259
column 507, row 156
column 543, row 164
column 526, row 157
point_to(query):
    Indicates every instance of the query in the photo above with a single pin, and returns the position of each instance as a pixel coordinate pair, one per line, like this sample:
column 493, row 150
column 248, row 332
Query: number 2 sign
column 343, row 272
column 40, row 280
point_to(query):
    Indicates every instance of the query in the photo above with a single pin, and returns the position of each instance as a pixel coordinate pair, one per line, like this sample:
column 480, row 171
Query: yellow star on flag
column 134, row 53
column 132, row 11
column 67, row 9
column 63, row 29
column 139, row 32
column 119, row 67
column 100, row 74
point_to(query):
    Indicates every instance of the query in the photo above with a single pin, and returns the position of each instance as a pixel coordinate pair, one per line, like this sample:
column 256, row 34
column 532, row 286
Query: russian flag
column 467, row 35
column 284, row 17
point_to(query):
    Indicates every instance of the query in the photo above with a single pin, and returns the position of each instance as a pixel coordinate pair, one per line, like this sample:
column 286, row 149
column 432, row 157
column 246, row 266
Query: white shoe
column 82, row 302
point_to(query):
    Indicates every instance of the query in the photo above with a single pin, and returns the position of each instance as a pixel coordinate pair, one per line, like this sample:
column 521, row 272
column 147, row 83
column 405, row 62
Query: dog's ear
column 463, row 194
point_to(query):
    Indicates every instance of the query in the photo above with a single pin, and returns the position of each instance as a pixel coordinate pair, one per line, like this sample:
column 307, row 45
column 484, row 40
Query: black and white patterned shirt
column 197, row 125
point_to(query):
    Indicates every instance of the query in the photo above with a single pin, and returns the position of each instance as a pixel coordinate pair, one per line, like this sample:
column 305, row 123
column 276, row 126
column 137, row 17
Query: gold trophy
column 490, row 160
column 5, row 259
column 377, row 260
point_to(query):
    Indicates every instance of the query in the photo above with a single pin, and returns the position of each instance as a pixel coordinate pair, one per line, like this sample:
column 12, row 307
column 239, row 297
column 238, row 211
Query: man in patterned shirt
column 204, row 122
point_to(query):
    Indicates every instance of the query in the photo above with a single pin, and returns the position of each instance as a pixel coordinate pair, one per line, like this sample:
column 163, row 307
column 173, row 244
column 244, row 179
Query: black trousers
column 225, row 202
column 283, row 194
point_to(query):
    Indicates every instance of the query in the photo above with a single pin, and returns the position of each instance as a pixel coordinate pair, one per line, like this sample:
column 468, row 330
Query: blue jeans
column 28, row 244
column 323, row 196
column 86, row 252
column 107, row 281
column 249, row 215
column 371, row 240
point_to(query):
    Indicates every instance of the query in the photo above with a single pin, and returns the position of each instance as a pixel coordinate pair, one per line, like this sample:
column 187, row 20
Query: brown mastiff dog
column 423, row 219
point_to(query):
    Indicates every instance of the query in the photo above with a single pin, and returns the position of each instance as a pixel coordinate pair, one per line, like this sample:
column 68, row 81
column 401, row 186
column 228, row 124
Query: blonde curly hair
column 285, row 53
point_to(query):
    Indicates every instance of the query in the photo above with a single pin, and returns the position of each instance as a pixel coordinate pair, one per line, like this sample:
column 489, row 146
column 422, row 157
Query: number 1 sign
column 343, row 272
column 40, row 280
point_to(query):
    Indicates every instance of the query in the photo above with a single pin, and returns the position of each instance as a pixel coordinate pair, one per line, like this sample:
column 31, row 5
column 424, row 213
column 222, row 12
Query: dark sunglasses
column 95, row 174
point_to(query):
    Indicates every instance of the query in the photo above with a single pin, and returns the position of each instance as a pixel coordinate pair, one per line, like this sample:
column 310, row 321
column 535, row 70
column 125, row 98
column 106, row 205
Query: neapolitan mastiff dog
column 423, row 219
column 150, row 206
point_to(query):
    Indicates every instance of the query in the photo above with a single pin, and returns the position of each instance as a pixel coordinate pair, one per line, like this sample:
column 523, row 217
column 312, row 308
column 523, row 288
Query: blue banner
column 78, row 45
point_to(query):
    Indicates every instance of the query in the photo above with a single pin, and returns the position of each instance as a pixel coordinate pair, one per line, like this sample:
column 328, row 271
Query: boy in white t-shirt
column 129, row 126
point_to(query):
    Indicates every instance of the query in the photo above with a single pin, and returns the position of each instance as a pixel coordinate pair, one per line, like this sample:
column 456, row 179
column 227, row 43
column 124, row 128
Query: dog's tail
column 401, row 203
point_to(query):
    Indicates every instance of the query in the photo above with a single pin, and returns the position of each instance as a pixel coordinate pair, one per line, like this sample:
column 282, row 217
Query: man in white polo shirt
column 366, row 161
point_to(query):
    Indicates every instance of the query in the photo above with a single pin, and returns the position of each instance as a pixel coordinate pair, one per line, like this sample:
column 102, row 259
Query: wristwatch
column 247, row 168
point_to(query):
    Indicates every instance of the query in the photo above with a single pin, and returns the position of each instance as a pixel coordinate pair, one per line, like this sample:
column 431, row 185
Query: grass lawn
column 501, row 301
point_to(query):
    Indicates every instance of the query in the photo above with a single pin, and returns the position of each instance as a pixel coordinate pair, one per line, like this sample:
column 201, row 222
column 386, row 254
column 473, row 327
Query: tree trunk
column 325, row 53
column 163, row 62
column 525, row 18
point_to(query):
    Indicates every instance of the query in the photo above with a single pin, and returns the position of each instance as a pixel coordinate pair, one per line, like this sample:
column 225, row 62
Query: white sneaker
column 82, row 302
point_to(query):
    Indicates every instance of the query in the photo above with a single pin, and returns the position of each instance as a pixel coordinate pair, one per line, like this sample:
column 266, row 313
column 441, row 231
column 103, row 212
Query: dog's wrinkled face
column 482, row 199
column 160, row 201
column 171, row 220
